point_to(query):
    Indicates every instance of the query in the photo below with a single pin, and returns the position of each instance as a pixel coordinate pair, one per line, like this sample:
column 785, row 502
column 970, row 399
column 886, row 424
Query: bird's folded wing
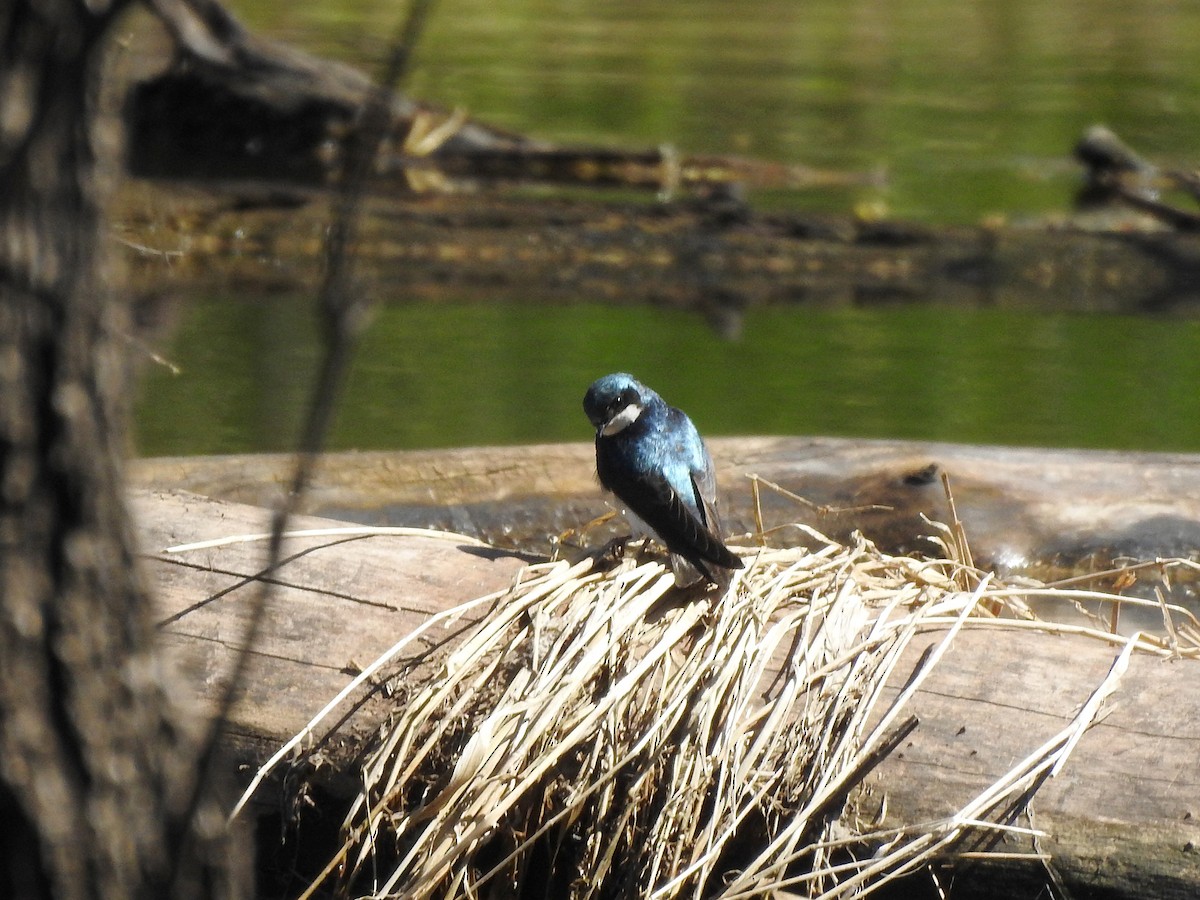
column 696, row 534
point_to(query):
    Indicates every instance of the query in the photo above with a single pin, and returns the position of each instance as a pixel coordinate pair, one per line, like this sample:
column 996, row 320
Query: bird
column 652, row 458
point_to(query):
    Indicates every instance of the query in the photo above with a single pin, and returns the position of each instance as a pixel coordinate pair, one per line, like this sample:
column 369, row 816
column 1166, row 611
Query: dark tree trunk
column 95, row 770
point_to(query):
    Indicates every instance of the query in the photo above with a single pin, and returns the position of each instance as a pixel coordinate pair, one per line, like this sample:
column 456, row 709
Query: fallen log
column 710, row 255
column 1046, row 513
column 1119, row 821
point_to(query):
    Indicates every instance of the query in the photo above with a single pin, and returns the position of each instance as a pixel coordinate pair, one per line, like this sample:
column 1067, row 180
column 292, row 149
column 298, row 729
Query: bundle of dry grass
column 600, row 734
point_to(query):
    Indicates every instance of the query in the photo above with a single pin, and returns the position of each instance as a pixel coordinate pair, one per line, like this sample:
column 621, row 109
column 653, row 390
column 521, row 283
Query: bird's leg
column 643, row 550
column 571, row 535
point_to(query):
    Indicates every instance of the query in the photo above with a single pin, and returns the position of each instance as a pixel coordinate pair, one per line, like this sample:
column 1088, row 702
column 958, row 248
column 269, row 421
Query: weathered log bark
column 1121, row 819
column 96, row 764
column 339, row 602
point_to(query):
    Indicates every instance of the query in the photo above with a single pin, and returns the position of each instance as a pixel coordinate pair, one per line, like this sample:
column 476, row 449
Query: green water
column 505, row 374
column 971, row 107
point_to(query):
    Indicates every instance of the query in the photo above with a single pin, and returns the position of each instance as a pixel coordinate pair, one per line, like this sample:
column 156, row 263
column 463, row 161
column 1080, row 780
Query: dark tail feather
column 689, row 571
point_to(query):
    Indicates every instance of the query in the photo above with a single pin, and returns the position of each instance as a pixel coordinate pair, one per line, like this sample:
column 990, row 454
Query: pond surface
column 428, row 376
column 970, row 108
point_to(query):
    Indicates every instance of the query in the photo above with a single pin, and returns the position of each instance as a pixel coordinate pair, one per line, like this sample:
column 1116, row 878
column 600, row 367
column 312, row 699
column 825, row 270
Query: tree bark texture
column 95, row 768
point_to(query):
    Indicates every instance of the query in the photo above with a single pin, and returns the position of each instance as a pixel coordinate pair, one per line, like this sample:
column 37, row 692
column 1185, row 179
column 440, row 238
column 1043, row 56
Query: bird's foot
column 611, row 554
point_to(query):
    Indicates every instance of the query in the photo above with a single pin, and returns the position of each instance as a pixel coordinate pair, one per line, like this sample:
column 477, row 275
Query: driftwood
column 1120, row 820
column 1116, row 173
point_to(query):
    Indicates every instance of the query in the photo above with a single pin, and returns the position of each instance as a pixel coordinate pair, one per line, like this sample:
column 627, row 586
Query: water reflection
column 972, row 107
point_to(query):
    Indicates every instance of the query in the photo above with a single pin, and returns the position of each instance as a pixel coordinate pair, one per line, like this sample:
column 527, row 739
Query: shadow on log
column 1129, row 796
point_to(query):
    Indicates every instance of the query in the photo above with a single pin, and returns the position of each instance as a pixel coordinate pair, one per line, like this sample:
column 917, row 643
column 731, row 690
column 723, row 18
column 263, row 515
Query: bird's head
column 614, row 402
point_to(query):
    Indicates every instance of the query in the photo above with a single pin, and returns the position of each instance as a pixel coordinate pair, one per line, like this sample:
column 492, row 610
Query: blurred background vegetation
column 970, row 109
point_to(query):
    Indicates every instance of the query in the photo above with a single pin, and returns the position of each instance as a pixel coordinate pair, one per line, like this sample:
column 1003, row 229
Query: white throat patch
column 621, row 420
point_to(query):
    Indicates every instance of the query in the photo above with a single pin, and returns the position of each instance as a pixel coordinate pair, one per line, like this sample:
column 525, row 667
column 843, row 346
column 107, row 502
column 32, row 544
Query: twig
column 344, row 310
column 345, row 531
column 822, row 509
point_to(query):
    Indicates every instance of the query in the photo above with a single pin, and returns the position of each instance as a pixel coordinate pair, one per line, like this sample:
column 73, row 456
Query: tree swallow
column 651, row 457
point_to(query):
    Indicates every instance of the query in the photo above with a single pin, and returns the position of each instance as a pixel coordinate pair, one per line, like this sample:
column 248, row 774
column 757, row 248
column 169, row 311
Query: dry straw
column 600, row 734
